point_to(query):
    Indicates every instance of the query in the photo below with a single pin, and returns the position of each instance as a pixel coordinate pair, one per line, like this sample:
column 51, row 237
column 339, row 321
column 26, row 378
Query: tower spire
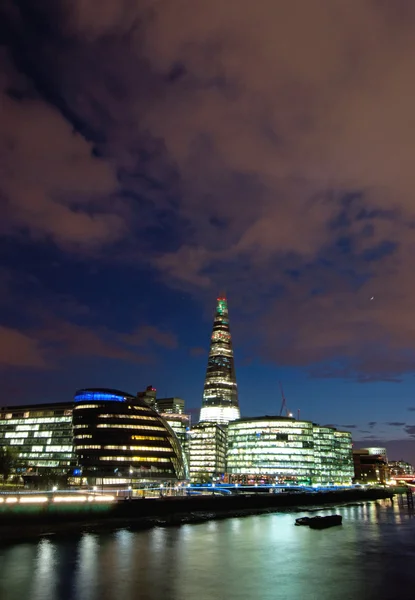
column 220, row 392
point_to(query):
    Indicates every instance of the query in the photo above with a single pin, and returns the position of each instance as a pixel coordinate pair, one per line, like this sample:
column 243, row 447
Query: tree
column 8, row 461
column 203, row 477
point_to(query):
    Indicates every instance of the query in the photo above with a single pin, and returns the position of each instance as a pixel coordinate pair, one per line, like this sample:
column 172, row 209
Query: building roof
column 106, row 393
column 269, row 418
column 44, row 406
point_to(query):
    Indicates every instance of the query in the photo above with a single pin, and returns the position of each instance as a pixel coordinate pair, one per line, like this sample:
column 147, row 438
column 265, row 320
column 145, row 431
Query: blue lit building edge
column 100, row 396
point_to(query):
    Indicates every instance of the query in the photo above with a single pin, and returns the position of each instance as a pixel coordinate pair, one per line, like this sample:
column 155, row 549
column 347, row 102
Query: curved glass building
column 282, row 449
column 117, row 435
column 273, row 449
column 220, row 393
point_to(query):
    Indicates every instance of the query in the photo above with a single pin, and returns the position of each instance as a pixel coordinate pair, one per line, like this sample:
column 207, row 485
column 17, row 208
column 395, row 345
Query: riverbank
column 17, row 525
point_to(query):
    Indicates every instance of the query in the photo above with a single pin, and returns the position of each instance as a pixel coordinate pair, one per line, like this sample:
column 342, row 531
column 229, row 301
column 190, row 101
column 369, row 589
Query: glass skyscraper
column 220, row 393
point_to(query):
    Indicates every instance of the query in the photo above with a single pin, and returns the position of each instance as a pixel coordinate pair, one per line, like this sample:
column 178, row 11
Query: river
column 261, row 557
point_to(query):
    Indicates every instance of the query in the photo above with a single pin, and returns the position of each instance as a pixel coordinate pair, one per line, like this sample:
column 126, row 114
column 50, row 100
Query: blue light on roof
column 98, row 396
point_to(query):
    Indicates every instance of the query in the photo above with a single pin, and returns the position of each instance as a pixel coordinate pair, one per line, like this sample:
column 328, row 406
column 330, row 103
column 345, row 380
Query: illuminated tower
column 220, row 393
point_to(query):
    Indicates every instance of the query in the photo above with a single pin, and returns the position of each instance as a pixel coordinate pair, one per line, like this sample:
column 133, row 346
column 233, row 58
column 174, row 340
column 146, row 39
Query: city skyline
column 145, row 167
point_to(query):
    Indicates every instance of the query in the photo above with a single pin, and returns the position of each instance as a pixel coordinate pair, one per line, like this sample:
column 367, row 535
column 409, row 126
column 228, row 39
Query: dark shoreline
column 142, row 514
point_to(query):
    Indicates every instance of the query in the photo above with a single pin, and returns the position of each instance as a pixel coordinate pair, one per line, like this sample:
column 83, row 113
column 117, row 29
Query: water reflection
column 262, row 557
column 86, row 576
column 44, row 571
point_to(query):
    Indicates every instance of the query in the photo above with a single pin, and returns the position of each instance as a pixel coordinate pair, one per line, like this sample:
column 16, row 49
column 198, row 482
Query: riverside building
column 119, row 437
column 172, row 410
column 220, row 393
column 106, row 436
column 284, row 450
column 207, row 452
column 41, row 434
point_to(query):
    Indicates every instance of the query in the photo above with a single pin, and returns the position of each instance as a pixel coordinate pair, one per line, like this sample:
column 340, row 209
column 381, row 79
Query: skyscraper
column 220, row 394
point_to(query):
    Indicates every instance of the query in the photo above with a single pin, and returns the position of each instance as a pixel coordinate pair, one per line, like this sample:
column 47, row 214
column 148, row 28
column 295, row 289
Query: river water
column 260, row 557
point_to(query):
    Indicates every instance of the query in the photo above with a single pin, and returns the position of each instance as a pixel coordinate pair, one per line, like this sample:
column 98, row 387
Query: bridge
column 404, row 478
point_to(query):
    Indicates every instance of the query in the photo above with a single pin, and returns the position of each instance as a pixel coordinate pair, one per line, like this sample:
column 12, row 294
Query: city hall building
column 118, row 436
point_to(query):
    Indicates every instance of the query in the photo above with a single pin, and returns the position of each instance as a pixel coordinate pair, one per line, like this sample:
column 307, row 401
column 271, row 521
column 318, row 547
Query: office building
column 369, row 468
column 180, row 424
column 148, row 396
column 400, row 468
column 285, row 450
column 42, row 436
column 207, row 452
column 220, row 393
column 118, row 436
column 270, row 450
column 172, row 410
column 333, row 459
column 377, row 451
column 170, row 406
column 344, row 471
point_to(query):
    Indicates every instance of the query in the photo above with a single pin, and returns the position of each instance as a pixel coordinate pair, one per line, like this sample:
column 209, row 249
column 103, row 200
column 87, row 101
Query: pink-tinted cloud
column 45, row 168
column 148, row 334
column 20, row 350
column 56, row 340
column 247, row 124
column 198, row 351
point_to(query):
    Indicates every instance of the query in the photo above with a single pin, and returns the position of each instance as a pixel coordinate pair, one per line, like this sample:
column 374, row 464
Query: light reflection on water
column 262, row 557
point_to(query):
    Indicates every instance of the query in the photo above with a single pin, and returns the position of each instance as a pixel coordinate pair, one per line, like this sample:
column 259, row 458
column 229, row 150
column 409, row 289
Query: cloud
column 410, row 430
column 55, row 340
column 198, row 351
column 349, row 426
column 267, row 143
column 372, row 424
column 66, row 338
column 395, row 424
column 51, row 183
column 411, row 408
column 148, row 334
column 20, row 350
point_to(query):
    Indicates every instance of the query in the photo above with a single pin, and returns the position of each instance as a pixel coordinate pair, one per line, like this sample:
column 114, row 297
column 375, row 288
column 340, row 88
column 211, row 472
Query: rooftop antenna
column 283, row 403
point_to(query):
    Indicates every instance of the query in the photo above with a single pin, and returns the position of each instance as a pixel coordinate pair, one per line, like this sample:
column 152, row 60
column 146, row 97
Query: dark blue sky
column 155, row 154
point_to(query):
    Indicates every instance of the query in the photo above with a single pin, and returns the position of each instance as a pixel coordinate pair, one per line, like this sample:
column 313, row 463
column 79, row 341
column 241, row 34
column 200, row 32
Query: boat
column 303, row 521
column 320, row 522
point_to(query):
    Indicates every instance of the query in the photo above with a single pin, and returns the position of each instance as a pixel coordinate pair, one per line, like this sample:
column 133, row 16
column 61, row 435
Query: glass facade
column 125, row 439
column 207, row 452
column 344, row 471
column 180, row 424
column 170, row 405
column 220, row 393
column 42, row 435
column 271, row 449
column 333, row 455
column 282, row 450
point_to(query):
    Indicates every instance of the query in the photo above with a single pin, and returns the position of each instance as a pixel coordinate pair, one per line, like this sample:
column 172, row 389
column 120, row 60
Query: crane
column 284, row 404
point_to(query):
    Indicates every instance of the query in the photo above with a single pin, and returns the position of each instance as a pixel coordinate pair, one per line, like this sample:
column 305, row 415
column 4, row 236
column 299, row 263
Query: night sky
column 156, row 153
